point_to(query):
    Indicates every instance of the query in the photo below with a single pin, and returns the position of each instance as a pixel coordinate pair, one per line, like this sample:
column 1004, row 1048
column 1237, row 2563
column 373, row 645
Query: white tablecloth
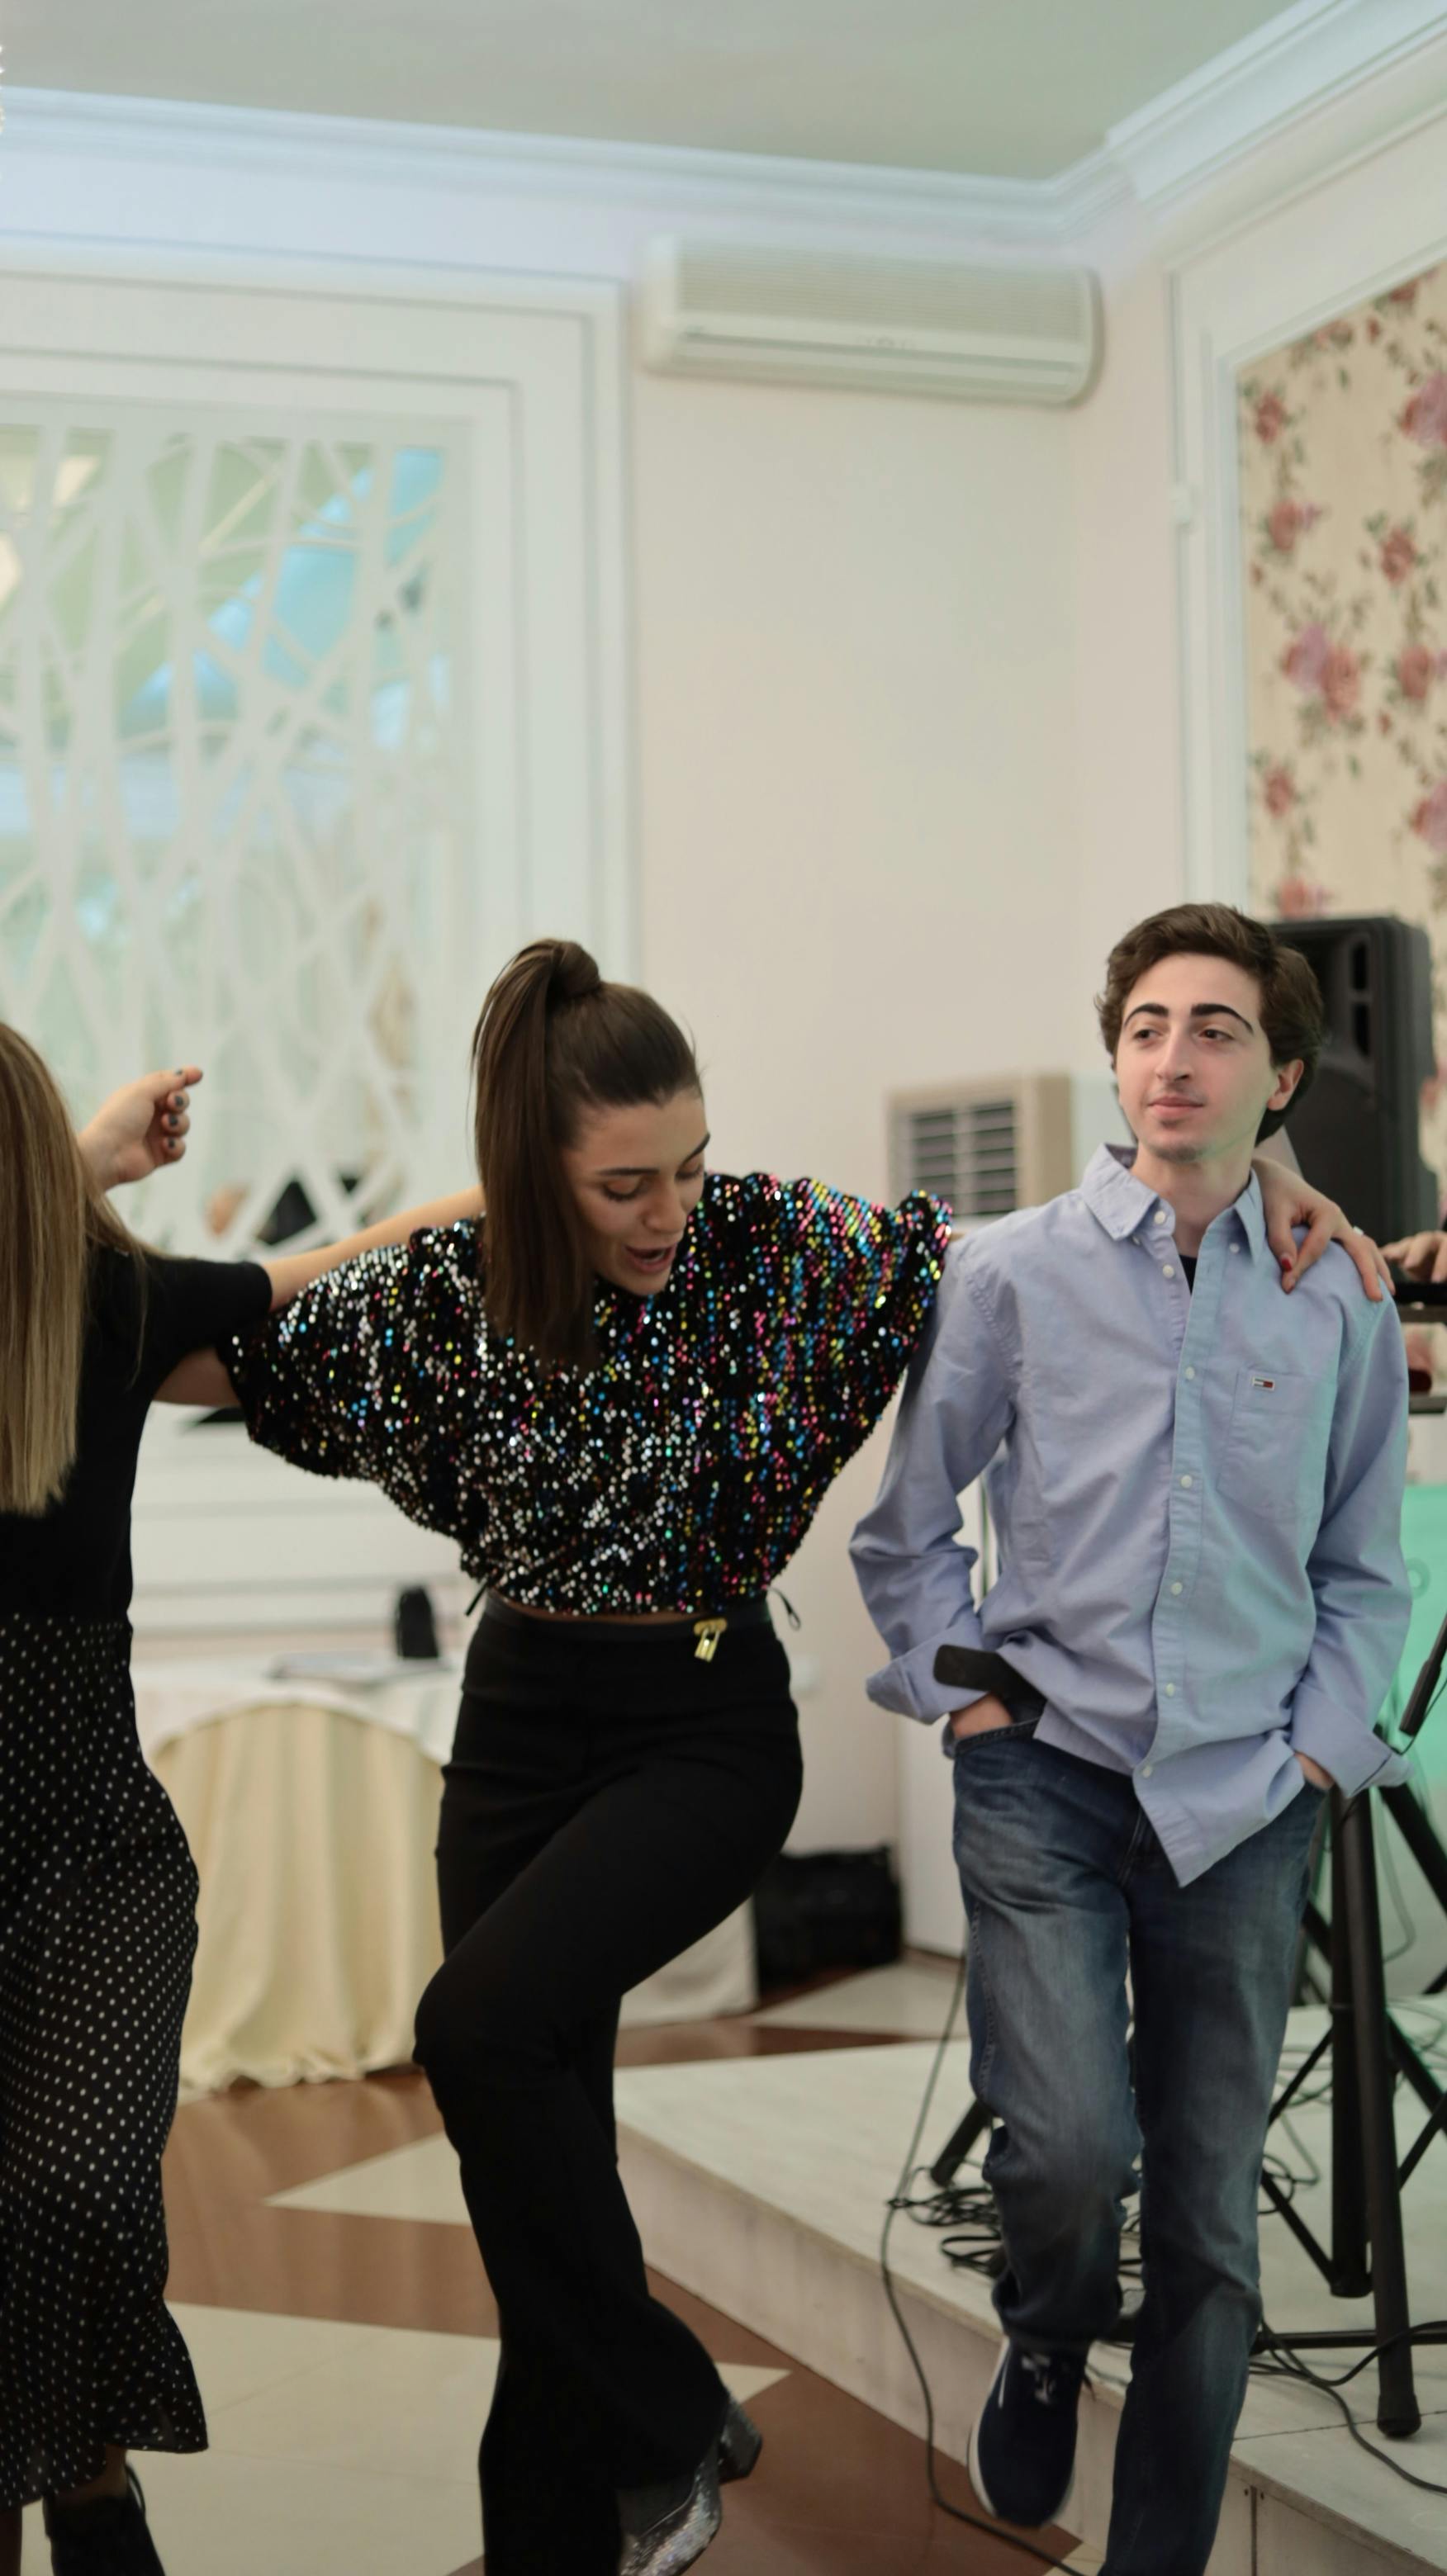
column 176, row 1696
column 312, row 1814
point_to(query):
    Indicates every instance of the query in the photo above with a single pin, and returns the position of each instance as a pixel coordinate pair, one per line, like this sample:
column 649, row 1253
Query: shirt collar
column 1123, row 1204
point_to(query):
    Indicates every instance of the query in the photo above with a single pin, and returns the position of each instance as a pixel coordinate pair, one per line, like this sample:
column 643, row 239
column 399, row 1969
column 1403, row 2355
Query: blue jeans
column 1067, row 1889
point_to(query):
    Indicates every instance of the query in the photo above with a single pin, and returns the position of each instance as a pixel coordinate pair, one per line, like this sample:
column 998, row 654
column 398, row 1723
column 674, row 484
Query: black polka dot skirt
column 97, row 1935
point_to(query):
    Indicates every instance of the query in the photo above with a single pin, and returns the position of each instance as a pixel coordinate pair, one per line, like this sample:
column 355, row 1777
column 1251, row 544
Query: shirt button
column 1178, row 1587
column 1170, row 1690
column 1185, row 1480
column 1190, row 1372
column 1167, row 1271
column 1160, row 1217
column 1146, row 1769
column 1235, row 1248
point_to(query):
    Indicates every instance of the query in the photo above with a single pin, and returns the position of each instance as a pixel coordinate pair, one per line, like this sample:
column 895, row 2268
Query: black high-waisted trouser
column 610, row 1799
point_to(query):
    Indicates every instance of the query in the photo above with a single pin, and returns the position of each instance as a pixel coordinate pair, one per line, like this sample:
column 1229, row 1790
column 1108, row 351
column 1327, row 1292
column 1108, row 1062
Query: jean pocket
column 1015, row 1733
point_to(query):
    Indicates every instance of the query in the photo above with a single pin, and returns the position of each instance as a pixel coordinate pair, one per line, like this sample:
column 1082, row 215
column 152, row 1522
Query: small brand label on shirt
column 1263, row 1381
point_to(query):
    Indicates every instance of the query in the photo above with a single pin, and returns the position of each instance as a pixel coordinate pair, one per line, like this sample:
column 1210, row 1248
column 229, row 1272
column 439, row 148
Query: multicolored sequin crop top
column 680, row 1470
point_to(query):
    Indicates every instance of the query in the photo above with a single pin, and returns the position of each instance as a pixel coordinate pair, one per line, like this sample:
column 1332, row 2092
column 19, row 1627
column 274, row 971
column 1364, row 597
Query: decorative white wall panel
column 234, row 810
column 312, row 704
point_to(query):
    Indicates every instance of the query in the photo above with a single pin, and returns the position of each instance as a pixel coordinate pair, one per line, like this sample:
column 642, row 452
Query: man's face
column 1193, row 1066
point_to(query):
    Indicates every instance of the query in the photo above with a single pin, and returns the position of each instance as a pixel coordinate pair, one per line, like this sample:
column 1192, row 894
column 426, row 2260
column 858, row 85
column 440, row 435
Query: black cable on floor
column 1293, row 2367
column 899, row 2201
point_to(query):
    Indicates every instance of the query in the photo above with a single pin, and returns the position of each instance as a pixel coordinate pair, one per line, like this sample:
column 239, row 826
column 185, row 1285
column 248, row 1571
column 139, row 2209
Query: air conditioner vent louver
column 966, row 1152
column 993, row 1145
column 995, row 334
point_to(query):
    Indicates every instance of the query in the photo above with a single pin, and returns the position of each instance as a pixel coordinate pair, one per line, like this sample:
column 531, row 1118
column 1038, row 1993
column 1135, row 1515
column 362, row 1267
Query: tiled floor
column 324, row 2275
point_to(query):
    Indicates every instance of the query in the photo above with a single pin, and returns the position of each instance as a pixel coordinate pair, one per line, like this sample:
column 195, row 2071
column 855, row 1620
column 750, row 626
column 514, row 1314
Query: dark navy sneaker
column 1022, row 2446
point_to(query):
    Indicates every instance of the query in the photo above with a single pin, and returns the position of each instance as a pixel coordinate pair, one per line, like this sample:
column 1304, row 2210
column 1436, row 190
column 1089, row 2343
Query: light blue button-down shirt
column 1197, row 1498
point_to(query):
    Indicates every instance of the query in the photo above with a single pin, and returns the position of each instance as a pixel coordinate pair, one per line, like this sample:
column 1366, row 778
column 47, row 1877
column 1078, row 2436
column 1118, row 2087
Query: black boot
column 106, row 2537
column 739, row 2445
column 665, row 2528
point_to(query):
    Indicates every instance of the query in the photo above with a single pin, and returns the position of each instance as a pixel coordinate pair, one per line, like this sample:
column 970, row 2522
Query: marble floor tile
column 414, row 2182
column 227, row 2514
column 910, row 2000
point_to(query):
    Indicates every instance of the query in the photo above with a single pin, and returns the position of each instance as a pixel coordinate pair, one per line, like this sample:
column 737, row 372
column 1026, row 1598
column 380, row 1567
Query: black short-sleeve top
column 146, row 1312
column 679, row 1469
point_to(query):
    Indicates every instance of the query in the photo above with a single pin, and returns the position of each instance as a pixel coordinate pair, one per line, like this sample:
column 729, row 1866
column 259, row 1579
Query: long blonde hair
column 52, row 1215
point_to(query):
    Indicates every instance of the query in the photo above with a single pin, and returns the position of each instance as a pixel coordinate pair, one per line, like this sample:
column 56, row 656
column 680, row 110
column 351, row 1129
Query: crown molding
column 1199, row 140
column 763, row 189
column 1254, row 92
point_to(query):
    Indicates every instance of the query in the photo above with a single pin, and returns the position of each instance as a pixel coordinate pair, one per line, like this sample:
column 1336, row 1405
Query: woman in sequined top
column 624, row 1395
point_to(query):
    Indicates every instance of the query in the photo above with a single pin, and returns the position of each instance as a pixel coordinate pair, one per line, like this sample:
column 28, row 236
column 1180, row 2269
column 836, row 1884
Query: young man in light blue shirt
column 1197, row 1490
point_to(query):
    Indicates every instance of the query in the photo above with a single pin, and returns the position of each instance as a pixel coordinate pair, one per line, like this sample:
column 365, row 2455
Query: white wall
column 855, row 657
column 1126, row 843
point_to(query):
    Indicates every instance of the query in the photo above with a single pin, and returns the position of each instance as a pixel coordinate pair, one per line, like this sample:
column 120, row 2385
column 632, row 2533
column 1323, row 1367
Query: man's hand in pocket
column 980, row 1717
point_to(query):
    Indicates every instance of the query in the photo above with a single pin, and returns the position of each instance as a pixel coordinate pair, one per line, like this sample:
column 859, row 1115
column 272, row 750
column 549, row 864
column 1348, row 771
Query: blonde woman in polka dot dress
column 97, row 1887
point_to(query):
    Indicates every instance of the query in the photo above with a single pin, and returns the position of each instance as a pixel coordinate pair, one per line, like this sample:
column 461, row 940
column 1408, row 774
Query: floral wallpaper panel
column 1343, row 448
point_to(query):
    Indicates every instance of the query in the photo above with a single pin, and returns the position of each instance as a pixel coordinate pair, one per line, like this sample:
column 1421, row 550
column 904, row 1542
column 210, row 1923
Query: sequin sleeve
column 859, row 1284
column 365, row 1373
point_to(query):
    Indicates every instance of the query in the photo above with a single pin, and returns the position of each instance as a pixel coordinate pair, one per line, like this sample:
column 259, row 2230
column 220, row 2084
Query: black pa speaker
column 1356, row 1132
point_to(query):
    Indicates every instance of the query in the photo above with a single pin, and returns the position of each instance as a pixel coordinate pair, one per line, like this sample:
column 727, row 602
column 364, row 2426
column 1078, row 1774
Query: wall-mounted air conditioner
column 988, row 334
column 996, row 1143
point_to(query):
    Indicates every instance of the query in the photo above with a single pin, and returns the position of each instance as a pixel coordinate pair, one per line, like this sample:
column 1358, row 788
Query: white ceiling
column 1014, row 89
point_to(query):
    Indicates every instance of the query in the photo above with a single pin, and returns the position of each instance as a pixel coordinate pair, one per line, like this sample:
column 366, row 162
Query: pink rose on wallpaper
column 1278, row 791
column 1270, row 419
column 1425, row 417
column 1289, row 520
column 1416, row 671
column 1341, row 682
column 1306, row 657
column 1299, row 899
column 1430, row 819
column 1398, row 555
column 1406, row 295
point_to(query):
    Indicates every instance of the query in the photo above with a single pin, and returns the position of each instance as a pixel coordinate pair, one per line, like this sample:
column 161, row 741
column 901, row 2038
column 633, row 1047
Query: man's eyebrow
column 645, row 1171
column 1199, row 1011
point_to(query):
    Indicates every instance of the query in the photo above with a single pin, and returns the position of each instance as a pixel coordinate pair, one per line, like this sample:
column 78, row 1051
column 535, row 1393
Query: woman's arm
column 200, row 1378
column 1289, row 1201
column 290, row 1272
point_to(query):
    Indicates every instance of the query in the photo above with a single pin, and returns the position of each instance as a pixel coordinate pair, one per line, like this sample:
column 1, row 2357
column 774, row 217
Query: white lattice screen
column 312, row 704
column 231, row 815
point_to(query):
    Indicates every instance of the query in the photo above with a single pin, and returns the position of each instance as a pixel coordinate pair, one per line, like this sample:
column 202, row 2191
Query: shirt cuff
column 1355, row 1757
column 908, row 1684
